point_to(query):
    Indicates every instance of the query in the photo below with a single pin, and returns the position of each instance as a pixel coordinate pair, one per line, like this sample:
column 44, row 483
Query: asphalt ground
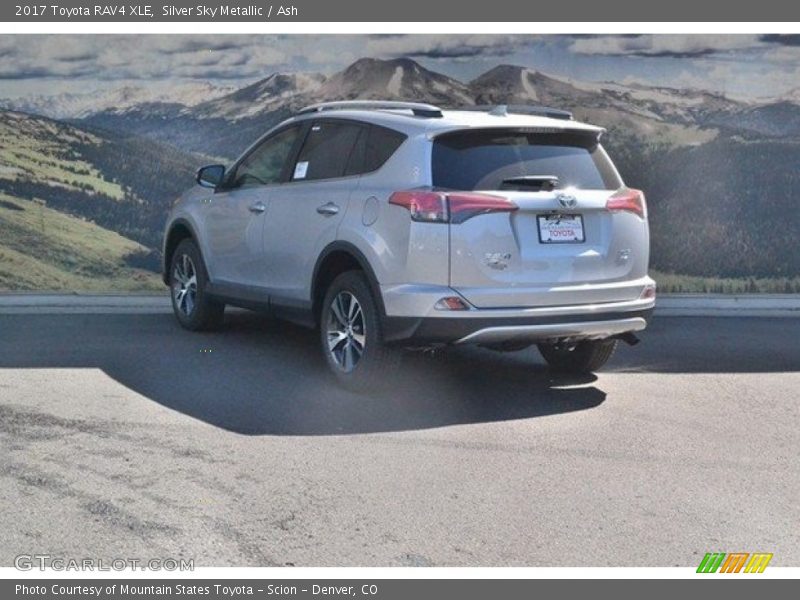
column 122, row 435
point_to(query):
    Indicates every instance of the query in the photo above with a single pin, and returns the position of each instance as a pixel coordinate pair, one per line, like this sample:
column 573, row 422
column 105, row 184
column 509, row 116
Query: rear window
column 493, row 159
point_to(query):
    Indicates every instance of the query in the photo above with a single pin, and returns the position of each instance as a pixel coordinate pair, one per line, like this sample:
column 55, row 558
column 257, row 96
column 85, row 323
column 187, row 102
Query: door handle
column 257, row 208
column 328, row 209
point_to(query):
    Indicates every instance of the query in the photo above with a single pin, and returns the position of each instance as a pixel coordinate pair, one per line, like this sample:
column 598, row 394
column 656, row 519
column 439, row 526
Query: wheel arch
column 179, row 230
column 336, row 258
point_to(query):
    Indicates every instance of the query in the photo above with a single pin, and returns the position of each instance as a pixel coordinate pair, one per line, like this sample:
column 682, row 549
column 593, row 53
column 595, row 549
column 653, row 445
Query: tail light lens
column 428, row 207
column 451, row 303
column 452, row 207
column 629, row 200
column 648, row 292
column 465, row 205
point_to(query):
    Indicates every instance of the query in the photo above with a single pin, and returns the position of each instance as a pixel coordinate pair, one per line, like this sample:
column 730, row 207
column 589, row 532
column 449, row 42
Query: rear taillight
column 451, row 207
column 629, row 200
column 429, row 207
column 465, row 205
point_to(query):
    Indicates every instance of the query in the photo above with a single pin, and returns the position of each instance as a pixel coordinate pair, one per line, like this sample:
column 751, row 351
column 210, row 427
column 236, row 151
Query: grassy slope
column 40, row 149
column 43, row 249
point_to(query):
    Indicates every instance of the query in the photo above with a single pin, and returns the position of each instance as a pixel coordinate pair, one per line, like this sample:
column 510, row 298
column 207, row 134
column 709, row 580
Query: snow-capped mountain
column 189, row 115
column 262, row 96
column 397, row 79
column 117, row 100
column 510, row 84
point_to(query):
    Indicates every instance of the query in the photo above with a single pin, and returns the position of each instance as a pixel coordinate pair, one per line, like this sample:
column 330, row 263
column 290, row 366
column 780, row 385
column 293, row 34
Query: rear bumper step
column 491, row 330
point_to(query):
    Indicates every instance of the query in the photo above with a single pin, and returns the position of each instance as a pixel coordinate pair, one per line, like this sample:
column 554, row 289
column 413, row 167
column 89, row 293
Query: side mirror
column 210, row 176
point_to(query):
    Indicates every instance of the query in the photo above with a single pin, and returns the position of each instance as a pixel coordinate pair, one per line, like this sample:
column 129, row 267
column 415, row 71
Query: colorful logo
column 736, row 562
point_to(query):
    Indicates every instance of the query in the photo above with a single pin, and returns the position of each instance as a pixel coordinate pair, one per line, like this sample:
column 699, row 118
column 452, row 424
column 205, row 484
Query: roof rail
column 418, row 109
column 501, row 110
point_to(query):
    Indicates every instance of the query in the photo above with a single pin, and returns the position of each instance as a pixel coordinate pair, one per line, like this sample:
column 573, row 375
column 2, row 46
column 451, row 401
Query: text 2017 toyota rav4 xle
column 389, row 224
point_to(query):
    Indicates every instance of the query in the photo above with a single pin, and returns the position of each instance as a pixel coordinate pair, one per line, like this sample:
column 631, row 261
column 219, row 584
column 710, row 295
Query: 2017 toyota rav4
column 389, row 224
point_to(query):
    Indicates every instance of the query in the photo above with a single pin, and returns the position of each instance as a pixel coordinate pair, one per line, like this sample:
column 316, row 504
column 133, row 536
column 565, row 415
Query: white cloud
column 664, row 45
column 783, row 55
column 446, row 46
column 134, row 57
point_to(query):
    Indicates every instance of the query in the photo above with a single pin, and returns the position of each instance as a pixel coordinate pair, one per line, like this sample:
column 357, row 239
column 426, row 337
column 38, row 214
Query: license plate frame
column 541, row 228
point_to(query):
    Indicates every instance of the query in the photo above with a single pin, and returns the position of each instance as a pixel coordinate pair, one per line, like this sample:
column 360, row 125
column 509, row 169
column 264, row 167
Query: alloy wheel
column 346, row 332
column 184, row 285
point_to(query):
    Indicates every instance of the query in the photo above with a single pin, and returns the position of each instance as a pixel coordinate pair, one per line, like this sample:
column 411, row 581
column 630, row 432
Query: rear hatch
column 561, row 245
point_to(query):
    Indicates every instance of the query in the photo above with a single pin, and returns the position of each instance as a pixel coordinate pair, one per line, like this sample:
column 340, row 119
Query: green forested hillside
column 727, row 208
column 82, row 209
column 121, row 182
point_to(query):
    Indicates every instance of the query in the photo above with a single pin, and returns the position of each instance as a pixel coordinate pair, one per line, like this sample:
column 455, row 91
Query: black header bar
column 403, row 11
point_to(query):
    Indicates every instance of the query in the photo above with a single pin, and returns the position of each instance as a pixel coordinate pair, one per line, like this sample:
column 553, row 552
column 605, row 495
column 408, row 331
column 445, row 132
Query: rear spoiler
column 501, row 110
column 587, row 130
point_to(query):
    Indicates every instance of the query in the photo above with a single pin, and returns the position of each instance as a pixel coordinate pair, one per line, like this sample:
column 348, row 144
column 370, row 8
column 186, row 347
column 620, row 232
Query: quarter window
column 374, row 147
column 381, row 144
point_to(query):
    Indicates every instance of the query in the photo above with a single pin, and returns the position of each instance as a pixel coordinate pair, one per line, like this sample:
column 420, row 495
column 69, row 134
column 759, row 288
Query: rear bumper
column 535, row 325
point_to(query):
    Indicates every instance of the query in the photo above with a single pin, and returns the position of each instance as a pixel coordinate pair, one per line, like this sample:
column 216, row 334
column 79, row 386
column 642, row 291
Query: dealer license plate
column 561, row 229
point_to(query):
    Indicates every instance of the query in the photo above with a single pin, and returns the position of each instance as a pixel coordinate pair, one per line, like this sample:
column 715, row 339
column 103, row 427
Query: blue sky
column 740, row 65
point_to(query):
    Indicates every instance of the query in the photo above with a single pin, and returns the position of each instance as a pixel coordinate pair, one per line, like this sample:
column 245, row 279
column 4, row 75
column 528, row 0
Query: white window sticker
column 300, row 170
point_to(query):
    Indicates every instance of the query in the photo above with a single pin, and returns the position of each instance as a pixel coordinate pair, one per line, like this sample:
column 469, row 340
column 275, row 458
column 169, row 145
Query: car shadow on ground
column 259, row 376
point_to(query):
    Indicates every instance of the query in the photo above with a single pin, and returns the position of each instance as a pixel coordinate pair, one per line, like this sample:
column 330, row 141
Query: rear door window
column 499, row 159
column 326, row 150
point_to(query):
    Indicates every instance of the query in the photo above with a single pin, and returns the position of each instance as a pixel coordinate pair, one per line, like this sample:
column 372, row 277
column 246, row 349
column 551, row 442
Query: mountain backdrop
column 86, row 179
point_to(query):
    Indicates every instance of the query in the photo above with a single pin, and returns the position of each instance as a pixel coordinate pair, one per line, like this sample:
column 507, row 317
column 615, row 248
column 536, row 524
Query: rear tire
column 351, row 335
column 188, row 280
column 583, row 357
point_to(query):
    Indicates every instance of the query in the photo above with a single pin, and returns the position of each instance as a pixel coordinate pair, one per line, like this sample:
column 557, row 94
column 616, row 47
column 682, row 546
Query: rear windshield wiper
column 542, row 181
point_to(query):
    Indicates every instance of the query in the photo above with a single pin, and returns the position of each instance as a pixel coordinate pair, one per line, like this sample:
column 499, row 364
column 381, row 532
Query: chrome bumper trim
column 587, row 330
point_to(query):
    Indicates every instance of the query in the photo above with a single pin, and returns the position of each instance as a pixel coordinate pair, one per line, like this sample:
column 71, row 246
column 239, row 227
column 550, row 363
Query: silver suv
column 392, row 225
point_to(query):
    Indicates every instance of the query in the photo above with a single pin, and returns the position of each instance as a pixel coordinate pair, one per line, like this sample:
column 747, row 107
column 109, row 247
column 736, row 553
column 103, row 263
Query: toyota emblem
column 567, row 200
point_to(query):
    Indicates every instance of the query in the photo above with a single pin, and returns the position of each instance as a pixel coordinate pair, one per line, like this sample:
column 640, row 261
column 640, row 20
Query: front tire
column 188, row 280
column 583, row 357
column 351, row 335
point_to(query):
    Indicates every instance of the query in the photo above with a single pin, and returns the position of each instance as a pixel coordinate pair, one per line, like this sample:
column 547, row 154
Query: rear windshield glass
column 499, row 159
